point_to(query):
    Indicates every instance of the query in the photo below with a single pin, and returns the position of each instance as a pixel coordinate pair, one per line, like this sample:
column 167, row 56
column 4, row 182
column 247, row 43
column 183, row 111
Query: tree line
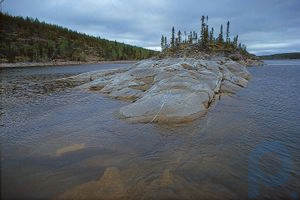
column 205, row 39
column 29, row 40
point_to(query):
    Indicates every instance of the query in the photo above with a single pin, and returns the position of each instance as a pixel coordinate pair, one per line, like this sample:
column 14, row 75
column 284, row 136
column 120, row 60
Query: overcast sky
column 265, row 26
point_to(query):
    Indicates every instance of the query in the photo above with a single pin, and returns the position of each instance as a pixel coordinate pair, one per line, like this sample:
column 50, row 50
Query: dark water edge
column 54, row 142
column 61, row 64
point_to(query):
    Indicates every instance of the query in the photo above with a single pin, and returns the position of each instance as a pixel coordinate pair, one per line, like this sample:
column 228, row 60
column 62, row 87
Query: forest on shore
column 283, row 56
column 29, row 40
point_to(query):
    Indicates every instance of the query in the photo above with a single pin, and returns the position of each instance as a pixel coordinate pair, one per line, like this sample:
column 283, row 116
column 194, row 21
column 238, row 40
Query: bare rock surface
column 165, row 90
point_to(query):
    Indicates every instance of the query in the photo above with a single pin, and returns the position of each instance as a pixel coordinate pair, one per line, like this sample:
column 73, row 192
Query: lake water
column 53, row 143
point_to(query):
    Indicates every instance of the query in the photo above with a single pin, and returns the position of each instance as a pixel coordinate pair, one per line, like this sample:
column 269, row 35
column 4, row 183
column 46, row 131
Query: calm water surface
column 54, row 142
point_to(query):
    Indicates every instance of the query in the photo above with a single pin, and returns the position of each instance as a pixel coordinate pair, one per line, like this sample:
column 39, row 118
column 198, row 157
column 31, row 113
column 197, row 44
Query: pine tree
column 173, row 37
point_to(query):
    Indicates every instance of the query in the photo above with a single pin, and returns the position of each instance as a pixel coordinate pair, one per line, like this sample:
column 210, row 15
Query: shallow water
column 53, row 142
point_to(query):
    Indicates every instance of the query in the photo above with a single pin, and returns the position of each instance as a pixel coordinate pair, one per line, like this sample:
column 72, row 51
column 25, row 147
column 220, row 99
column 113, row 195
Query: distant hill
column 29, row 40
column 282, row 56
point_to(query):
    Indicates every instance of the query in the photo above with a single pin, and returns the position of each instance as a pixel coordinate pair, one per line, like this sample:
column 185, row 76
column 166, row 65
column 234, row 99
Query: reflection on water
column 70, row 145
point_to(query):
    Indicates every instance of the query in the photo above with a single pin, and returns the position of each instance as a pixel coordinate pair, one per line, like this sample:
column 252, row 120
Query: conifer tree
column 166, row 42
column 162, row 43
column 211, row 36
column 235, row 41
column 191, row 37
column 240, row 45
column 173, row 37
column 227, row 35
column 195, row 37
column 220, row 38
column 206, row 31
column 244, row 48
column 179, row 37
column 206, row 36
column 202, row 30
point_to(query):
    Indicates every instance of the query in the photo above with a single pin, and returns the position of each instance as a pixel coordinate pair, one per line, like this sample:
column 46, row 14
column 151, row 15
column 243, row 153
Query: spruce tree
column 220, row 38
column 227, row 34
column 166, row 42
column 240, row 45
column 191, row 37
column 162, row 43
column 202, row 30
column 206, row 36
column 211, row 36
column 195, row 37
column 235, row 41
column 173, row 37
column 244, row 48
column 179, row 37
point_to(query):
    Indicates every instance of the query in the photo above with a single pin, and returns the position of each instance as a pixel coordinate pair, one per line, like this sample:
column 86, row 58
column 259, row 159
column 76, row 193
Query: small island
column 207, row 46
column 177, row 86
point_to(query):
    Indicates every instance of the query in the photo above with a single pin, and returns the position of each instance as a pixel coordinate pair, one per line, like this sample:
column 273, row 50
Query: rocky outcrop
column 196, row 51
column 248, row 60
column 166, row 90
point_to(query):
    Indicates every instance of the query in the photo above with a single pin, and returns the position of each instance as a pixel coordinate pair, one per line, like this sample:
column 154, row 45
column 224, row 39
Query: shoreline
column 60, row 63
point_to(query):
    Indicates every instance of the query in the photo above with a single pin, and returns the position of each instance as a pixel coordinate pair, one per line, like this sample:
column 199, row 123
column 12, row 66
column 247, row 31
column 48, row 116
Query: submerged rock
column 110, row 186
column 68, row 149
column 166, row 90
